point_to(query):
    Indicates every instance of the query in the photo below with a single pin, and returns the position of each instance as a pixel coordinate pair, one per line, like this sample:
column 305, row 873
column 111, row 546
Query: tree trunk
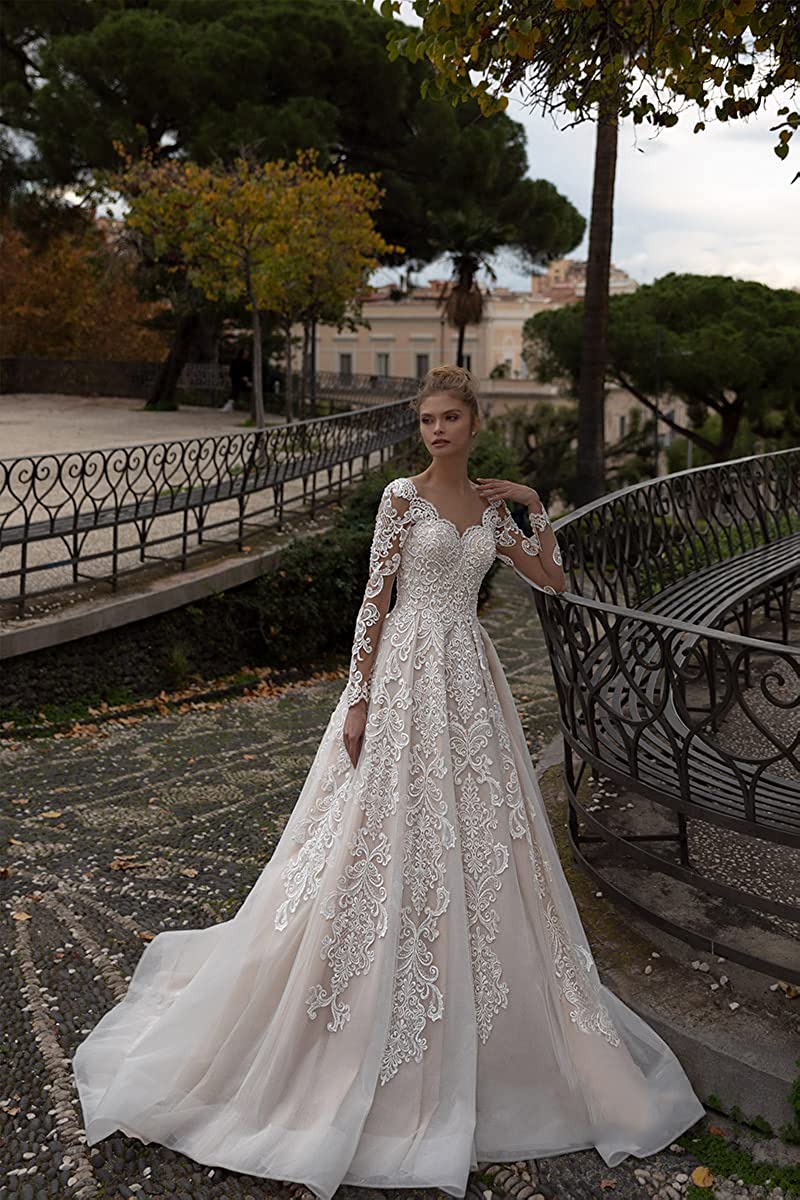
column 591, row 389
column 204, row 346
column 731, row 418
column 313, row 390
column 462, row 329
column 162, row 396
column 258, row 372
column 303, row 374
column 288, row 388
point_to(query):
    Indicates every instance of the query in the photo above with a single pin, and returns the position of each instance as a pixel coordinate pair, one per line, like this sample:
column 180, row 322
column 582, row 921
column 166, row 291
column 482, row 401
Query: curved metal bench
column 650, row 690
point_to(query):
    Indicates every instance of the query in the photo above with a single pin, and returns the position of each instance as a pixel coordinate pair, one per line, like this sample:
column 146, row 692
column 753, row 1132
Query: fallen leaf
column 124, row 862
column 21, row 800
column 145, row 935
column 788, row 989
column 608, row 1183
column 21, row 916
column 12, row 841
column 702, row 1177
column 188, row 871
column 715, row 1129
column 51, row 812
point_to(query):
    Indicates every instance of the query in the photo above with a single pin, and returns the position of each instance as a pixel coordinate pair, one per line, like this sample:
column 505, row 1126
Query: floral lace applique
column 392, row 523
column 433, row 713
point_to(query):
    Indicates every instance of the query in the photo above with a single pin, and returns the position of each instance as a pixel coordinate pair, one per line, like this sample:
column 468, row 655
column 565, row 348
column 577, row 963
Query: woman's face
column 446, row 425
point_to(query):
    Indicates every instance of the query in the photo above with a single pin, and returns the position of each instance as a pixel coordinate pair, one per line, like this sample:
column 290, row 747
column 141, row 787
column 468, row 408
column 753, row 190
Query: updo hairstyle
column 456, row 380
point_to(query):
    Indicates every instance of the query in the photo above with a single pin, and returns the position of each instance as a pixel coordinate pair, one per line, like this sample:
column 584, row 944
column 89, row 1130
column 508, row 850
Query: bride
column 407, row 990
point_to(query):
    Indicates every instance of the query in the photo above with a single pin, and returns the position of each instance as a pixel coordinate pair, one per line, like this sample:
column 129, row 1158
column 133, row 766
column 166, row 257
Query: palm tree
column 462, row 297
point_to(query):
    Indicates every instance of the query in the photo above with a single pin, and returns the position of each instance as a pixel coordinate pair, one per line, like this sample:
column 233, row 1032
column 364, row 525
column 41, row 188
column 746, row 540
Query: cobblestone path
column 115, row 833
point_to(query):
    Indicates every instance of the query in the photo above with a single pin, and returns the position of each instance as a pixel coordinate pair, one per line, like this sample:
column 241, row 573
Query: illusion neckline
column 460, row 534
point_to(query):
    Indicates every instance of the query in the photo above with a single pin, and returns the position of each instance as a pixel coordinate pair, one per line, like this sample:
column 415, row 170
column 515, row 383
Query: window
column 382, row 364
column 423, row 365
column 622, row 426
column 346, row 365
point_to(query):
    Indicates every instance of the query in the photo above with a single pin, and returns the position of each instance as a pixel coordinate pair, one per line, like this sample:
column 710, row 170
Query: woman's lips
column 440, row 442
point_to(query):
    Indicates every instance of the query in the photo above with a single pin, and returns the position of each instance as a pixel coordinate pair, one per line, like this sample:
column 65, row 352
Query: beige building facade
column 407, row 334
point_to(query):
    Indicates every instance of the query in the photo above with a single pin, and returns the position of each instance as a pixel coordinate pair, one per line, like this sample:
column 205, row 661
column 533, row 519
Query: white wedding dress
column 407, row 990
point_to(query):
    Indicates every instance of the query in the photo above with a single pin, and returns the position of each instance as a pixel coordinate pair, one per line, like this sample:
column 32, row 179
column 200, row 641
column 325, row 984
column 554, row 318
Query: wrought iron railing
column 95, row 514
column 111, row 377
column 662, row 691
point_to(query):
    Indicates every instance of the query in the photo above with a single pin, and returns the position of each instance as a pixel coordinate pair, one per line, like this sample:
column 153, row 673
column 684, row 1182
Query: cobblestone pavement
column 125, row 829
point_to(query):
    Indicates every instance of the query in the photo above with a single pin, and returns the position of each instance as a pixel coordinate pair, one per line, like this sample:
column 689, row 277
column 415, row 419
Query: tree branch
column 644, row 399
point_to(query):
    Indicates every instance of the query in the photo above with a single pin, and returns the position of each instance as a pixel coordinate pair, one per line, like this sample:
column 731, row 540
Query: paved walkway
column 122, row 830
column 34, row 424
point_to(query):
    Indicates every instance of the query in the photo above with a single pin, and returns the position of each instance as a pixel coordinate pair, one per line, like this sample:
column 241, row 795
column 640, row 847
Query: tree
column 274, row 77
column 73, row 297
column 726, row 347
column 480, row 202
column 323, row 247
column 285, row 237
column 607, row 61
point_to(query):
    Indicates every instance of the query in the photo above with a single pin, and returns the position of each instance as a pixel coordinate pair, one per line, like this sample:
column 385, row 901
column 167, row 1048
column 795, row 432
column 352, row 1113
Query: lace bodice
column 439, row 570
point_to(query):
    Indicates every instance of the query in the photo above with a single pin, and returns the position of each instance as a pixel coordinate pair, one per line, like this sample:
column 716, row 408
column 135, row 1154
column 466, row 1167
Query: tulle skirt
column 407, row 990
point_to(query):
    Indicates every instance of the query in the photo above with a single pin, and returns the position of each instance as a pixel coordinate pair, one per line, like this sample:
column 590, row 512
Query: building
column 407, row 334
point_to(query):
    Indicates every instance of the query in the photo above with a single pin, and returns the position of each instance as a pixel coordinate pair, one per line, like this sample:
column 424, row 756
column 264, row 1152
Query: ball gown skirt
column 407, row 990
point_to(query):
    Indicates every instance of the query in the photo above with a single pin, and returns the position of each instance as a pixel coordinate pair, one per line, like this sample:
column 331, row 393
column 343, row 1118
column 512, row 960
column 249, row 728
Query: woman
column 407, row 990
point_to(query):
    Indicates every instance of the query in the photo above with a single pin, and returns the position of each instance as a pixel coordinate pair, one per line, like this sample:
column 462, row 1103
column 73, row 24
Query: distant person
column 241, row 373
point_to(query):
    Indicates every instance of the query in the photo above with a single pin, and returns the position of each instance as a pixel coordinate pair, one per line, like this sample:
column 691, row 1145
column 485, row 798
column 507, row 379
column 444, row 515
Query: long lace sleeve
column 391, row 527
column 530, row 556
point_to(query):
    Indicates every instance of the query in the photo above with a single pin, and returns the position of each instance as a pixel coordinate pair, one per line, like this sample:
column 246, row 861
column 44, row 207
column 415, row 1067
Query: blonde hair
column 448, row 378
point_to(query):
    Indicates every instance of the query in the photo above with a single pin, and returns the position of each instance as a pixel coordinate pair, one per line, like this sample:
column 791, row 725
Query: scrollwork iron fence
column 108, row 511
column 702, row 722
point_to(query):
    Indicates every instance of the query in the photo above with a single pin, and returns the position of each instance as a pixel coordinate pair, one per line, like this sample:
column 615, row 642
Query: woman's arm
column 536, row 558
column 391, row 527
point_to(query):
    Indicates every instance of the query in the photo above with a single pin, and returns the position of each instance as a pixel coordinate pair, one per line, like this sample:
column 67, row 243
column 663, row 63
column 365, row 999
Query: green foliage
column 543, row 441
column 578, row 55
column 631, row 458
column 728, row 348
column 745, row 443
column 728, row 1160
column 176, row 666
column 543, row 444
column 78, row 74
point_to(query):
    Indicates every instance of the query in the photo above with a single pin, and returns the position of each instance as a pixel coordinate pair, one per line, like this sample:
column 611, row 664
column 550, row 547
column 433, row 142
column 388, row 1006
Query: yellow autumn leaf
column 21, row 916
column 51, row 813
column 702, row 1177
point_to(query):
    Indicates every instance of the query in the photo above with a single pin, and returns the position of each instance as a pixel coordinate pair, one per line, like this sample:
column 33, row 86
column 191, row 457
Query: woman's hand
column 505, row 489
column 353, row 733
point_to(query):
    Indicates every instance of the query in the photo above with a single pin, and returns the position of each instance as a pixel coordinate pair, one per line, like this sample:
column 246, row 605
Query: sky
column 716, row 202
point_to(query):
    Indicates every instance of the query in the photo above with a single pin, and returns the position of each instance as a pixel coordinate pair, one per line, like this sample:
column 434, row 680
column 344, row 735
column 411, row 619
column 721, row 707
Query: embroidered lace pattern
column 441, row 724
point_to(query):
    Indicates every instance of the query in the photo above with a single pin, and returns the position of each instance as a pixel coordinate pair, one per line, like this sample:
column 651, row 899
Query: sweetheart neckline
column 460, row 535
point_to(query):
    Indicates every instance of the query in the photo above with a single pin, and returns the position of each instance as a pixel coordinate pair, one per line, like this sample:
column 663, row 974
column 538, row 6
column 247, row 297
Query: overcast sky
column 717, row 202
